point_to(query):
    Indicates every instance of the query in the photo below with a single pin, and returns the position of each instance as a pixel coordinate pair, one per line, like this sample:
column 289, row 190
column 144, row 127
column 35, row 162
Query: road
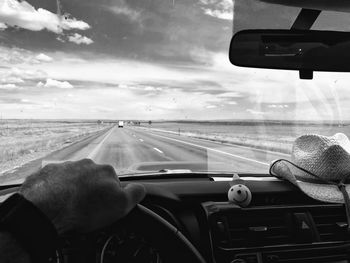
column 129, row 147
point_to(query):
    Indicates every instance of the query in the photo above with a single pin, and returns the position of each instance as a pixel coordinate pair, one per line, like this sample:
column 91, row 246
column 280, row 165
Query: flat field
column 24, row 140
column 272, row 136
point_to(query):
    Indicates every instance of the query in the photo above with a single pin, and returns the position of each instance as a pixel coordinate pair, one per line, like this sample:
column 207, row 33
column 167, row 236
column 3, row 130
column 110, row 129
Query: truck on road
column 120, row 124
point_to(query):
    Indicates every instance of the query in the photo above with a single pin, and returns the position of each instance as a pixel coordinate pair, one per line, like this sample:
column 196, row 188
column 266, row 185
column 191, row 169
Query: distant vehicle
column 120, row 124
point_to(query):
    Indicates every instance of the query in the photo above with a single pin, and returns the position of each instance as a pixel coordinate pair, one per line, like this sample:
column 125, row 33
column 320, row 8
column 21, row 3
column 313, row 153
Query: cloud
column 255, row 112
column 122, row 9
column 60, row 38
column 43, row 58
column 150, row 88
column 69, row 23
column 250, row 88
column 191, row 64
column 11, row 80
column 27, row 73
column 280, row 106
column 14, row 55
column 3, row 26
column 22, row 14
column 16, row 101
column 8, row 86
column 232, row 94
column 222, row 9
column 51, row 83
column 211, row 106
column 79, row 39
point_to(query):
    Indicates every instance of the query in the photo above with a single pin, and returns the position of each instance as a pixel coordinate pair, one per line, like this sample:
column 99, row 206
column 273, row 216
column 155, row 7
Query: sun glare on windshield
column 147, row 85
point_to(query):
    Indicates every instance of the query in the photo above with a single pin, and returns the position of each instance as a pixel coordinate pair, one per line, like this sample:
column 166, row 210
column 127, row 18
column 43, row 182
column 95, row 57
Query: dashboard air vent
column 331, row 223
column 254, row 228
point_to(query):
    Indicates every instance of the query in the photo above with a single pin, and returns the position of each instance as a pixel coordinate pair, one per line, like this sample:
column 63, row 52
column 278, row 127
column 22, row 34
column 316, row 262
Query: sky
column 152, row 60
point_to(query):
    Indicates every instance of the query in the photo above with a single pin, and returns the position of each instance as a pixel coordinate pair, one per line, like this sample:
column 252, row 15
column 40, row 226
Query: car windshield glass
column 146, row 85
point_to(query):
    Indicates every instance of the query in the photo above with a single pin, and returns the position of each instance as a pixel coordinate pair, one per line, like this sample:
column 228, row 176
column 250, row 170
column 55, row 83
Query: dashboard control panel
column 293, row 233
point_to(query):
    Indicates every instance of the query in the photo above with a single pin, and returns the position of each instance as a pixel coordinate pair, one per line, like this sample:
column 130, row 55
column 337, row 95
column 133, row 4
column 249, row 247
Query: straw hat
column 319, row 166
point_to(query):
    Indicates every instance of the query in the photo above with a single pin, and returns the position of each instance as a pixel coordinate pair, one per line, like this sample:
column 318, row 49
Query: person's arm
column 78, row 196
column 11, row 251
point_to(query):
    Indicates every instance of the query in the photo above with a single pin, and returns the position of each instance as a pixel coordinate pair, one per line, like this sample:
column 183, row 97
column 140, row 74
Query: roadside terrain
column 24, row 140
column 246, row 147
column 270, row 136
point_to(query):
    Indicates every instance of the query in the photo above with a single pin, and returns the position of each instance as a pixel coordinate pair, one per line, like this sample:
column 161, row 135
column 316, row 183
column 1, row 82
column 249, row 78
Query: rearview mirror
column 303, row 50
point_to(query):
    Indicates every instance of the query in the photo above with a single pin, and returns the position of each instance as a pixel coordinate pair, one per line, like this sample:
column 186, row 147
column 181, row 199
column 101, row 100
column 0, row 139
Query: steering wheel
column 172, row 244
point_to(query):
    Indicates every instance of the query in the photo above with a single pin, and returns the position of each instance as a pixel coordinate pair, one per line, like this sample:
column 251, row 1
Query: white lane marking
column 140, row 140
column 214, row 150
column 94, row 152
column 158, row 150
column 216, row 142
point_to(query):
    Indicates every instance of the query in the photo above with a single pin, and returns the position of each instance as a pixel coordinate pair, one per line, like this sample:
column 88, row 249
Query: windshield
column 146, row 85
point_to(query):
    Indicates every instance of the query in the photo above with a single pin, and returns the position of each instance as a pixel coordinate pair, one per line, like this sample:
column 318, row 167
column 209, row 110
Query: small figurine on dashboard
column 238, row 193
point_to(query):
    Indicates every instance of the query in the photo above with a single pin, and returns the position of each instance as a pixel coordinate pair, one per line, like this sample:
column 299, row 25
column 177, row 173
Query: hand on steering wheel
column 81, row 196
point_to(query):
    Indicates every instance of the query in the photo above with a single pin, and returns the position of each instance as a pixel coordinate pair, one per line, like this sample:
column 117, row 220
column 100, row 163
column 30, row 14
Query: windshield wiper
column 166, row 173
column 175, row 174
column 184, row 173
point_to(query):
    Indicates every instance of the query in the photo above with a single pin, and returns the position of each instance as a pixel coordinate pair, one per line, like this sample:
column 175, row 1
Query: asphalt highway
column 132, row 148
column 124, row 148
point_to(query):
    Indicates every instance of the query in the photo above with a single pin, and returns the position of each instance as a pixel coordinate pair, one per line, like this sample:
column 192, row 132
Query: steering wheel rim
column 172, row 244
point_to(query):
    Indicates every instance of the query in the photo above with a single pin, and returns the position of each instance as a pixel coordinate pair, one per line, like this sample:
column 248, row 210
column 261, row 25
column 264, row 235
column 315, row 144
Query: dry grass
column 271, row 137
column 20, row 139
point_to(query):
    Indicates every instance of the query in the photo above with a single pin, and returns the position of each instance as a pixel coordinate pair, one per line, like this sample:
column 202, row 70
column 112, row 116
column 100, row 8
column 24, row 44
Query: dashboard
column 280, row 225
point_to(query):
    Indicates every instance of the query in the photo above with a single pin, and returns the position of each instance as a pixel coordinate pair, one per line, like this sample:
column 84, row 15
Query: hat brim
column 319, row 191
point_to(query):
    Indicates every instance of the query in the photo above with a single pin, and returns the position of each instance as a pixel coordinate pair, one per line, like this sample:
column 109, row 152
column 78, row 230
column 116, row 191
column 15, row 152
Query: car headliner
column 327, row 5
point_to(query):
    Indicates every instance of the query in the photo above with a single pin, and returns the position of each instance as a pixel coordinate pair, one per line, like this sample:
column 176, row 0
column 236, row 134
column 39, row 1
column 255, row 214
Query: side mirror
column 303, row 50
